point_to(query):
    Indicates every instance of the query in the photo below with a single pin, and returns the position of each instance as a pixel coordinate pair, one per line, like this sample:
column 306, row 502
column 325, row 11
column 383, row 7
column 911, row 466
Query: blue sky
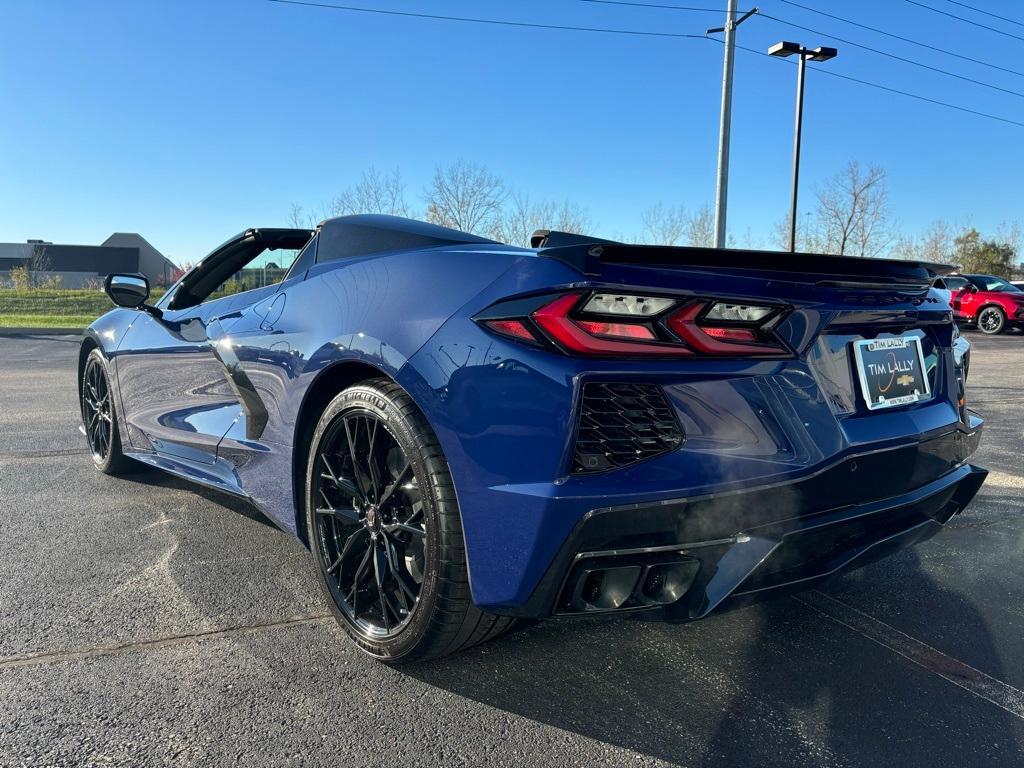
column 189, row 120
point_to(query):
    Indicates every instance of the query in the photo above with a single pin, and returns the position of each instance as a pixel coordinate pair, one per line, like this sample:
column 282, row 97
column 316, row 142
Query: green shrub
column 57, row 302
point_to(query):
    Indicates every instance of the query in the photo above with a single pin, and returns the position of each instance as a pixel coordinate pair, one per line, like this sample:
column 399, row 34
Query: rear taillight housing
column 605, row 324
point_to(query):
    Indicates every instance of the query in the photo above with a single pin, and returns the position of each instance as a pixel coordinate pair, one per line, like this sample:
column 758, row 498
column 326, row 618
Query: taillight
column 632, row 325
column 714, row 332
column 570, row 331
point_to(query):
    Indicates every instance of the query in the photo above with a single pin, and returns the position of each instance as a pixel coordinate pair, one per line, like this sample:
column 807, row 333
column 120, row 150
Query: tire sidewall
column 369, row 399
column 114, row 451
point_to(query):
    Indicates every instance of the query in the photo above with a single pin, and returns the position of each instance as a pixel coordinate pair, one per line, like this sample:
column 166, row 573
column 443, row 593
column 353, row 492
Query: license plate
column 891, row 371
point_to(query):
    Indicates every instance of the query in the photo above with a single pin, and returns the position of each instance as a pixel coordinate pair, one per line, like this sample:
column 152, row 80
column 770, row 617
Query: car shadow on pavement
column 774, row 683
column 150, row 476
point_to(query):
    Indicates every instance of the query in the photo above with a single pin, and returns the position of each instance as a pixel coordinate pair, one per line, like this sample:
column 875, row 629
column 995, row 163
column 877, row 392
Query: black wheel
column 991, row 320
column 385, row 531
column 100, row 417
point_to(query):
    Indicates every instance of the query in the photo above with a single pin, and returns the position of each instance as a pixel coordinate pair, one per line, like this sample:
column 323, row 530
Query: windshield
column 990, row 283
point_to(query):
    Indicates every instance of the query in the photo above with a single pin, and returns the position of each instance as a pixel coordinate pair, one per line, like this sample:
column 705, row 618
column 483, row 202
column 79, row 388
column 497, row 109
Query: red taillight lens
column 718, row 339
column 731, row 334
column 617, row 330
column 572, row 334
column 514, row 328
column 610, row 325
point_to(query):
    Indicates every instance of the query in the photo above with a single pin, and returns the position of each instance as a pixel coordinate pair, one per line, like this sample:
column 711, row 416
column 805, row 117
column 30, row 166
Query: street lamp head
column 823, row 54
column 784, row 49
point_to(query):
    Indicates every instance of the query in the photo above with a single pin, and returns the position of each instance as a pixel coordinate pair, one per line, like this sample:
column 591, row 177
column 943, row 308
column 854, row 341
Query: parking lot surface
column 145, row 622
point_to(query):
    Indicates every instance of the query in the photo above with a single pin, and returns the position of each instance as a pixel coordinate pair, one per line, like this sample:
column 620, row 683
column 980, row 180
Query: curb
column 41, row 331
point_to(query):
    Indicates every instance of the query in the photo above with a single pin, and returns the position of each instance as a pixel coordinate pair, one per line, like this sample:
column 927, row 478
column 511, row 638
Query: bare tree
column 809, row 235
column 566, row 217
column 36, row 268
column 676, row 225
column 935, row 244
column 1011, row 234
column 748, row 241
column 465, row 196
column 517, row 221
column 700, row 228
column 519, row 218
column 374, row 193
column 665, row 225
column 852, row 215
column 298, row 218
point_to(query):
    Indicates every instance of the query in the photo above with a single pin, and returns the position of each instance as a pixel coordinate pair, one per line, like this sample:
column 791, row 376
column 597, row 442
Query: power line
column 657, row 5
column 964, row 19
column 908, row 94
column 987, row 13
column 877, row 51
column 918, row 43
column 896, row 57
column 828, row 72
column 498, row 22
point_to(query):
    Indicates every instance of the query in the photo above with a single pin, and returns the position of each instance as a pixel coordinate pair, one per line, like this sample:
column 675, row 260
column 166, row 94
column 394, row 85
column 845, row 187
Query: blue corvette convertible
column 465, row 432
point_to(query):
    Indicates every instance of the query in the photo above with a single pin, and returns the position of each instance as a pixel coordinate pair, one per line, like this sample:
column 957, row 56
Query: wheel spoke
column 353, row 594
column 346, row 548
column 377, row 576
column 345, row 514
column 399, row 479
column 397, row 575
column 342, row 484
column 393, row 527
column 417, row 512
column 353, row 453
column 371, row 457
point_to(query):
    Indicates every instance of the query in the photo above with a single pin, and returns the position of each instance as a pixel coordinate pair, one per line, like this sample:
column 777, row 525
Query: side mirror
column 127, row 290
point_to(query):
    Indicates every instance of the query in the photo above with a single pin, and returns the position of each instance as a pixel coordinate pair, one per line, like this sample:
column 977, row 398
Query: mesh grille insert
column 621, row 424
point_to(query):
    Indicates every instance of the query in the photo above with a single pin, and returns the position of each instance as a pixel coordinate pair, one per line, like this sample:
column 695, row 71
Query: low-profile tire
column 991, row 320
column 99, row 416
column 384, row 527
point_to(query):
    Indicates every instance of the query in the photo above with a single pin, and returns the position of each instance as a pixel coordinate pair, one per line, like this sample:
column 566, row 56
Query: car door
column 957, row 285
column 966, row 302
column 179, row 391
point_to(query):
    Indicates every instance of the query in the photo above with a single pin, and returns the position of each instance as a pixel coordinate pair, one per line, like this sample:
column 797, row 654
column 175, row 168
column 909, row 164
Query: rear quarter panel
column 377, row 311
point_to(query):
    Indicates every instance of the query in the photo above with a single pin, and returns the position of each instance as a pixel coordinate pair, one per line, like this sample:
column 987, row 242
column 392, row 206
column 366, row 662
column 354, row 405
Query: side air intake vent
column 621, row 424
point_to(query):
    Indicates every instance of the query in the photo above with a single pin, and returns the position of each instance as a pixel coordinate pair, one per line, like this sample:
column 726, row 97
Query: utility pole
column 725, row 124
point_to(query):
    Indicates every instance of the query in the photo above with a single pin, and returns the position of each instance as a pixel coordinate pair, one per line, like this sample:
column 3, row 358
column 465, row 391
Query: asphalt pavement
column 144, row 622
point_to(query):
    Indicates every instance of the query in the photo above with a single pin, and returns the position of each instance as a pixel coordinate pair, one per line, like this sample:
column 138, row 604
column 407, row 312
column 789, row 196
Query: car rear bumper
column 722, row 550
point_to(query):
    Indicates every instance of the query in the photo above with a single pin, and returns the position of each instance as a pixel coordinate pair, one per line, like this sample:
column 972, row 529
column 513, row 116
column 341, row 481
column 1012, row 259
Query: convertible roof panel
column 348, row 236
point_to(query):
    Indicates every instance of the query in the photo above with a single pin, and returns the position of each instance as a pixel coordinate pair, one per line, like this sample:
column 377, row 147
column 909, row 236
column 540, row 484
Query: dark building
column 80, row 265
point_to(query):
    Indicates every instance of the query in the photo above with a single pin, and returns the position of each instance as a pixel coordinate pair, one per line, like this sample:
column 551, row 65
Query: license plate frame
column 891, row 359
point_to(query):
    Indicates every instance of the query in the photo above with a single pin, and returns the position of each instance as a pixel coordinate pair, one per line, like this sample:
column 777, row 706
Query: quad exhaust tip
column 612, row 586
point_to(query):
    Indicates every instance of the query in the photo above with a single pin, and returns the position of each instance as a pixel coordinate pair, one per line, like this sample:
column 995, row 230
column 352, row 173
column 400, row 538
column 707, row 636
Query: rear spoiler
column 588, row 255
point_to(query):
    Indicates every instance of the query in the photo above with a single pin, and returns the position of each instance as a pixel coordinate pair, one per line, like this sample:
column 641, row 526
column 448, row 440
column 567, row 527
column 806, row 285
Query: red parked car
column 988, row 303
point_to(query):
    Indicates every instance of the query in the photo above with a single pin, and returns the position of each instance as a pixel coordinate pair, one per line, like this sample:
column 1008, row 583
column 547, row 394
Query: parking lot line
column 144, row 645
column 953, row 670
column 42, row 454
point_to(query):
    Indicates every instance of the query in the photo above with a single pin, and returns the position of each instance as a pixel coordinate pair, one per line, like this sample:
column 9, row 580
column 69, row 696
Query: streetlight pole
column 797, row 129
column 725, row 123
column 803, row 54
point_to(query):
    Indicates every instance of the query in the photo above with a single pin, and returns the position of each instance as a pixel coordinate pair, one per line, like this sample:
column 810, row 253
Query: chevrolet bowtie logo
column 905, row 380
